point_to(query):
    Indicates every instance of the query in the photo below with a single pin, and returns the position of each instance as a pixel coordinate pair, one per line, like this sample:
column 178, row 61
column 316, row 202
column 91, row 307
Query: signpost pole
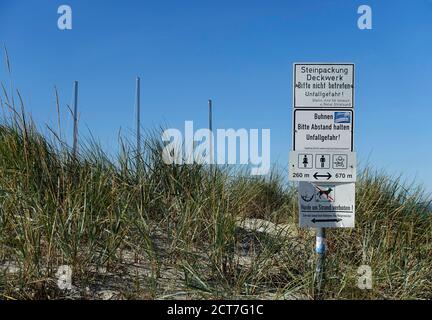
column 320, row 264
column 138, row 118
column 210, row 105
column 75, row 121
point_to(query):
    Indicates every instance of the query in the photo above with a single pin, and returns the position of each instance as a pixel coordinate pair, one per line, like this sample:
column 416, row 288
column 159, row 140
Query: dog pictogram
column 326, row 193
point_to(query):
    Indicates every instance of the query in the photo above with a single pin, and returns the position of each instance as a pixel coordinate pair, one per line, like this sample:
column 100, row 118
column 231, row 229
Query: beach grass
column 148, row 230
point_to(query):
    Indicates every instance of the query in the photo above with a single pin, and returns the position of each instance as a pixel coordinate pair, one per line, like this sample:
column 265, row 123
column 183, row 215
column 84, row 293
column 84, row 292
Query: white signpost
column 323, row 139
column 323, row 85
column 322, row 166
column 322, row 160
column 327, row 205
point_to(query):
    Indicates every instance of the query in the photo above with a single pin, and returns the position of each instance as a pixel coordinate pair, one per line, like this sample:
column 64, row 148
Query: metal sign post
column 75, row 121
column 320, row 249
column 210, row 106
column 138, row 119
column 323, row 160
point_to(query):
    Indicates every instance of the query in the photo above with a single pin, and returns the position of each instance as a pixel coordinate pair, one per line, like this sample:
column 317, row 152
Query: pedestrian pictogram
column 305, row 161
column 322, row 161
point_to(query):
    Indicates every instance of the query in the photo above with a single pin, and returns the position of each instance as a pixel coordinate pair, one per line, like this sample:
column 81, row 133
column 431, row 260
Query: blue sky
column 240, row 54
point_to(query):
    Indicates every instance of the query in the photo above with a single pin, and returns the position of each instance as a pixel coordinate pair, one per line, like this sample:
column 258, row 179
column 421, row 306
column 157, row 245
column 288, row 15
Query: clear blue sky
column 239, row 53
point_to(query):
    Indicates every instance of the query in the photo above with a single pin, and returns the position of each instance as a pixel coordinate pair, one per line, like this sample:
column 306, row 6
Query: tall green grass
column 94, row 212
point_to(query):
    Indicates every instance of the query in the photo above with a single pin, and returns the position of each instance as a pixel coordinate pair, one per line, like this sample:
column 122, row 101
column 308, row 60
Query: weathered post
column 210, row 106
column 75, row 121
column 138, row 119
column 320, row 263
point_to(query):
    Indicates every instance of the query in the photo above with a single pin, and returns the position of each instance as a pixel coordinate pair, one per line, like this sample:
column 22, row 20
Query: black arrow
column 328, row 176
column 326, row 220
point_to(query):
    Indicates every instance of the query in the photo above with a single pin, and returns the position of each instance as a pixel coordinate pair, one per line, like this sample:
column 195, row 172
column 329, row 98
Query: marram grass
column 160, row 231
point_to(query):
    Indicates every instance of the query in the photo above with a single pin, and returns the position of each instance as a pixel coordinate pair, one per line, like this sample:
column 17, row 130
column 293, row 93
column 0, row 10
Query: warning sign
column 322, row 160
column 330, row 129
column 323, row 85
column 326, row 205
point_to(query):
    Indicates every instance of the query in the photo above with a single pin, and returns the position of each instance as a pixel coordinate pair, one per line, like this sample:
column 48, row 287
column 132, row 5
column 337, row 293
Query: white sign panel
column 326, row 166
column 317, row 129
column 327, row 205
column 323, row 85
